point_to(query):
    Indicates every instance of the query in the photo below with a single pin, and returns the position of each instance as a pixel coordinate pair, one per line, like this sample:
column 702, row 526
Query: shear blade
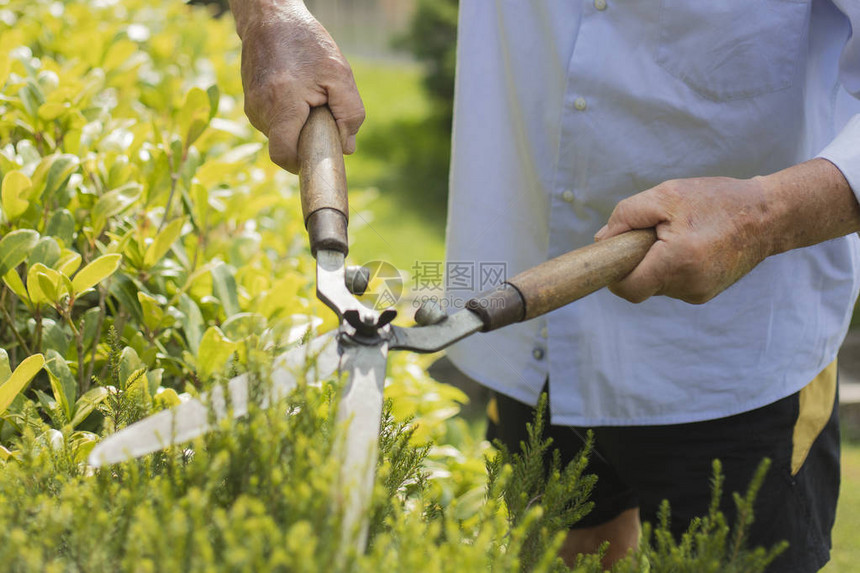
column 195, row 417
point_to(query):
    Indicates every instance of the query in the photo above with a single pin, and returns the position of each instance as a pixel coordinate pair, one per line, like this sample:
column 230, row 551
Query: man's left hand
column 711, row 231
column 709, row 234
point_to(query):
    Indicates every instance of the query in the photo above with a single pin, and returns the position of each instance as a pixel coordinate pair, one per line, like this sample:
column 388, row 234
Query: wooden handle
column 562, row 280
column 322, row 182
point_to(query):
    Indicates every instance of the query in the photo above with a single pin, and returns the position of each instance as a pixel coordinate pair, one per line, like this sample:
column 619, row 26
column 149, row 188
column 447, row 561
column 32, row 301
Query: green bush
column 149, row 250
column 432, row 40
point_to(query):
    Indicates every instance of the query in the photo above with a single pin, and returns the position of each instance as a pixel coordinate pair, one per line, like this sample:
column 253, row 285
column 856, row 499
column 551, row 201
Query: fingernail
column 601, row 233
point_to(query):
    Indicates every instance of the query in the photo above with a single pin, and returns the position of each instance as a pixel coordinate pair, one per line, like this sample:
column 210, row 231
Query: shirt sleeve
column 844, row 153
column 844, row 150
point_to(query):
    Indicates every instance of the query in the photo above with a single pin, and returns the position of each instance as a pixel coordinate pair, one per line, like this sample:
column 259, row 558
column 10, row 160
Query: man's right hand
column 290, row 64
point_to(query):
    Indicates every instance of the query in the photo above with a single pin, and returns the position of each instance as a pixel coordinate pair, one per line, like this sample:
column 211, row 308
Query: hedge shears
column 358, row 349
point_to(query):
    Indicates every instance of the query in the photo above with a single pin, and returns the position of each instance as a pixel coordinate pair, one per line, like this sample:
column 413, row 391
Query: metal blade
column 437, row 336
column 360, row 410
column 196, row 417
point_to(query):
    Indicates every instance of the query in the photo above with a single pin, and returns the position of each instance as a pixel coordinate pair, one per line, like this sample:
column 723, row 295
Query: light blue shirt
column 563, row 108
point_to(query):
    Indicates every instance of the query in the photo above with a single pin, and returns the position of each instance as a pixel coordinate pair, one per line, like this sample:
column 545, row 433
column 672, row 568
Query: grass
column 846, row 542
column 402, row 163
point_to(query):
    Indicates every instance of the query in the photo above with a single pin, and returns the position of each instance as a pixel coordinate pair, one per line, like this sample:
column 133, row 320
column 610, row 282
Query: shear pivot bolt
column 357, row 279
column 430, row 313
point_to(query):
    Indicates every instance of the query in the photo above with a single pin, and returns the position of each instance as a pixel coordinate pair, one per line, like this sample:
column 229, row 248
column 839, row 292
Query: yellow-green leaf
column 95, row 272
column 48, row 288
column 87, row 403
column 19, row 379
column 162, row 243
column 16, row 186
column 52, row 110
column 152, row 312
column 194, row 115
column 14, row 282
column 69, row 263
column 34, row 288
column 167, row 398
column 118, row 53
column 215, row 349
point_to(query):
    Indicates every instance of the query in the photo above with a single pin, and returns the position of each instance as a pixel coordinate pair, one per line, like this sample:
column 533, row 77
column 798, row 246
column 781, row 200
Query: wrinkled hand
column 709, row 235
column 290, row 64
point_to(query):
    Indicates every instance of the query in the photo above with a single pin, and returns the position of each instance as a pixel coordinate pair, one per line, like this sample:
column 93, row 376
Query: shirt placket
column 571, row 224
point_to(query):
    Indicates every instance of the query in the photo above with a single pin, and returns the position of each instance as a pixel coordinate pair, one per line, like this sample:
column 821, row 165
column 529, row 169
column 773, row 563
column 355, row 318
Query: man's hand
column 290, row 64
column 712, row 231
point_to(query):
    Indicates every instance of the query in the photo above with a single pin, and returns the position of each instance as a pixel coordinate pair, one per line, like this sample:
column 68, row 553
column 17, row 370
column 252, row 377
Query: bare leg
column 622, row 533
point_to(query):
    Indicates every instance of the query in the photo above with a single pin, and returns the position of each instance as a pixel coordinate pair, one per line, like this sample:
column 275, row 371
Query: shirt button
column 544, row 332
column 600, row 4
column 568, row 196
column 538, row 353
column 579, row 103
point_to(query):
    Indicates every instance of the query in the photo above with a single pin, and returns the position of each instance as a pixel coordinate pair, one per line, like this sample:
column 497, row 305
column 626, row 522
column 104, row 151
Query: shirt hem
column 661, row 420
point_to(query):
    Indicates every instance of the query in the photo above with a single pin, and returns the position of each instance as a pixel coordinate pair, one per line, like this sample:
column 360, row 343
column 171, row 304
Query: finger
column 641, row 211
column 348, row 111
column 284, row 132
column 648, row 278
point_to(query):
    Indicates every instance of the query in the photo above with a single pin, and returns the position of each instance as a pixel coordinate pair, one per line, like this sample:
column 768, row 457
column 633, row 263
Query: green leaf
column 46, row 251
column 163, row 240
column 244, row 324
column 214, row 98
column 19, row 379
column 215, row 350
column 51, row 179
column 129, row 364
column 90, row 324
column 224, row 286
column 5, row 370
column 31, row 97
column 125, row 291
column 50, row 406
column 61, row 225
column 55, row 336
column 15, row 185
column 152, row 312
column 192, row 324
column 95, row 272
column 87, row 403
column 153, row 379
column 15, row 247
column 113, row 203
column 63, row 383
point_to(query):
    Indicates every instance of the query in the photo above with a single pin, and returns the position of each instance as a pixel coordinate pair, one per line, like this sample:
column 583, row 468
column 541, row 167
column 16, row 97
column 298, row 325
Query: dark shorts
column 640, row 466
